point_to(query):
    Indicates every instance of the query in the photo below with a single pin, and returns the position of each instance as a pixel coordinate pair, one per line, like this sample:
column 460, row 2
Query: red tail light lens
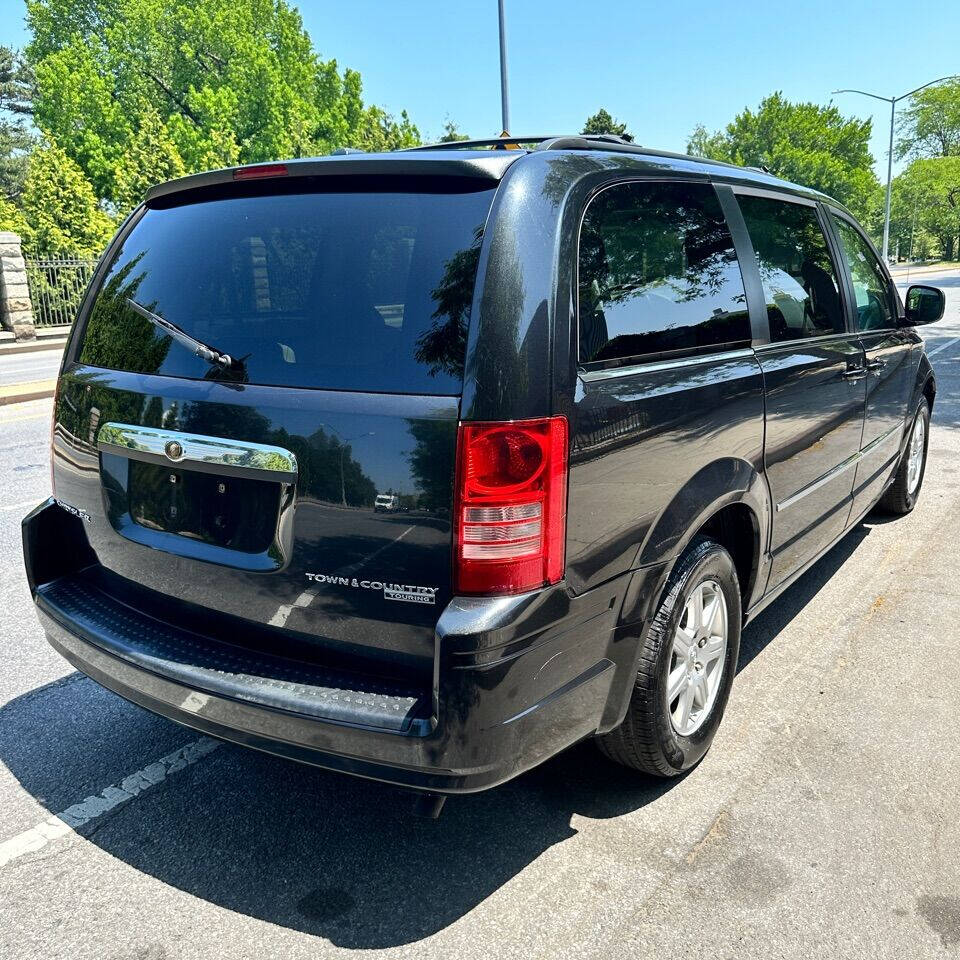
column 511, row 511
column 260, row 171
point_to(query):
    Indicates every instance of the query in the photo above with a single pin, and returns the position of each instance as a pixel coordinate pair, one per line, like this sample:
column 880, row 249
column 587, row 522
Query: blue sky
column 660, row 67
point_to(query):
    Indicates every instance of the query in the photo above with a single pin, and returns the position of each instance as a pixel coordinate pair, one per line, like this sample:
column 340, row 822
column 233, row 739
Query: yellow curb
column 31, row 390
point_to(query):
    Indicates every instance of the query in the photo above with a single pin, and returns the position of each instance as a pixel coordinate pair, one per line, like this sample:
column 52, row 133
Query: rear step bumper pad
column 227, row 671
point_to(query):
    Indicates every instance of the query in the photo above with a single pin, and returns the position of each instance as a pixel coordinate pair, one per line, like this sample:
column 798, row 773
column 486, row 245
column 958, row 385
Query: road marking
column 30, row 367
column 943, row 346
column 80, row 814
column 279, row 619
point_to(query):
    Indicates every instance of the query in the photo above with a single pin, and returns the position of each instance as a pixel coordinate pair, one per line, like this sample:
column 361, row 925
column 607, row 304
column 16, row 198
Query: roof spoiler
column 484, row 166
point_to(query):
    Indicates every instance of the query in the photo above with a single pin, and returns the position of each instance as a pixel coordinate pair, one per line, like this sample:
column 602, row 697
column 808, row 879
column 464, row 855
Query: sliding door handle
column 854, row 372
column 876, row 364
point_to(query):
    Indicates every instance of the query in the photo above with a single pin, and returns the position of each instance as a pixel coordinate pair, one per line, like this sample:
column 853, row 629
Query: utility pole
column 504, row 85
column 893, row 101
column 913, row 228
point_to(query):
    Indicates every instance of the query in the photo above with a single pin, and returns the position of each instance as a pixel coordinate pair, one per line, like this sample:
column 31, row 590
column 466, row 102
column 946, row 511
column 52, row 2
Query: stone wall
column 16, row 312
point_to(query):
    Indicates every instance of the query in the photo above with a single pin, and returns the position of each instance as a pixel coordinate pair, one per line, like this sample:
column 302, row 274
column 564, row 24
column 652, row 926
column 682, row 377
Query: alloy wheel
column 697, row 658
column 915, row 454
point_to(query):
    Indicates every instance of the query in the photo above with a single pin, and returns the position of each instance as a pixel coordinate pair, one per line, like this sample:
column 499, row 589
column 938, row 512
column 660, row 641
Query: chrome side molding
column 208, row 454
column 840, row 468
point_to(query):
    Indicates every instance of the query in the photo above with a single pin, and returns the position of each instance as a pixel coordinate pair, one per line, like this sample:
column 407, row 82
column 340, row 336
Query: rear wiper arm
column 201, row 349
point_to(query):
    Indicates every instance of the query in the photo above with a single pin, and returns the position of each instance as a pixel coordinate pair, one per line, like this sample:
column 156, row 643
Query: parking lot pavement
column 823, row 822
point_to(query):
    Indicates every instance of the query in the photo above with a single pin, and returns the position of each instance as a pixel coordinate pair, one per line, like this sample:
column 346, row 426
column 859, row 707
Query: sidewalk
column 30, row 390
column 902, row 269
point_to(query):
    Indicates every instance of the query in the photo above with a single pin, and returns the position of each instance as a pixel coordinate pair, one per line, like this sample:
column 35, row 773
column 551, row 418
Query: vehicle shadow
column 316, row 852
column 320, row 853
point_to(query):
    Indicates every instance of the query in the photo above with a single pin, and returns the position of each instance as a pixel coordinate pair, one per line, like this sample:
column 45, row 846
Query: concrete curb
column 22, row 392
column 34, row 346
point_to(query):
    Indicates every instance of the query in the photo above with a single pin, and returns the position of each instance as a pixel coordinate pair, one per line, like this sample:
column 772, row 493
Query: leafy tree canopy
column 57, row 213
column 451, row 133
column 602, row 122
column 927, row 196
column 16, row 103
column 136, row 91
column 804, row 142
column 930, row 125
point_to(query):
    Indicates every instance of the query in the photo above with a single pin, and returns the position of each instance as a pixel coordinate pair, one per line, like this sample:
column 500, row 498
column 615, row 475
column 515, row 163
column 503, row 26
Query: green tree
column 58, row 213
column 451, row 134
column 602, row 122
column 136, row 90
column 703, row 143
column 927, row 195
column 804, row 142
column 16, row 104
column 378, row 131
column 153, row 157
column 930, row 125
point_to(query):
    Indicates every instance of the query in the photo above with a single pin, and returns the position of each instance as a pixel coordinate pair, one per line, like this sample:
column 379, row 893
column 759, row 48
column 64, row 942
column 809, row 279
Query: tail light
column 511, row 510
column 260, row 171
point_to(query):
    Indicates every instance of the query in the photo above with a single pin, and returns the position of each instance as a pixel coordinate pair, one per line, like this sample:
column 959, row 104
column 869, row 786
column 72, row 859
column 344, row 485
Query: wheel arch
column 728, row 500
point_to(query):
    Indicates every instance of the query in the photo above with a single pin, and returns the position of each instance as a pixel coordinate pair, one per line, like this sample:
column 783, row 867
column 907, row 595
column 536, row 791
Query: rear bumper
column 516, row 680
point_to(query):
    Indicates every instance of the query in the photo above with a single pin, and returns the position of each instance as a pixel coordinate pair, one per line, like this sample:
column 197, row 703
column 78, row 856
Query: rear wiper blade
column 201, row 349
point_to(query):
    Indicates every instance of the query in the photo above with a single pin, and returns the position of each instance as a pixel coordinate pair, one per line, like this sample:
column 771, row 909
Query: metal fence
column 56, row 289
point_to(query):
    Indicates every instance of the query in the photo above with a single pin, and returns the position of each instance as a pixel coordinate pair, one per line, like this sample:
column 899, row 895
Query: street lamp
column 343, row 450
column 893, row 101
column 504, row 87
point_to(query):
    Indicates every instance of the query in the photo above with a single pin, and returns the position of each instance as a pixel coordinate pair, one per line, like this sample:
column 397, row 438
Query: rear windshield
column 354, row 289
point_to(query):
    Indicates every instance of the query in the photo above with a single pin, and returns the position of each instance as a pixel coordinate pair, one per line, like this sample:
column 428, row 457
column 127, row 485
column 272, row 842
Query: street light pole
column 893, row 101
column 343, row 451
column 886, row 207
column 504, row 85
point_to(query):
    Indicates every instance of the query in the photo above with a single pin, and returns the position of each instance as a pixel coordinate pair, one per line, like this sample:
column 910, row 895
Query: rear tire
column 678, row 698
column 902, row 495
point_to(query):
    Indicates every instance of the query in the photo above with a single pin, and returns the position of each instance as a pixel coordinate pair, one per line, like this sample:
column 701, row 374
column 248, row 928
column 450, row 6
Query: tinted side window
column 658, row 274
column 870, row 287
column 798, row 274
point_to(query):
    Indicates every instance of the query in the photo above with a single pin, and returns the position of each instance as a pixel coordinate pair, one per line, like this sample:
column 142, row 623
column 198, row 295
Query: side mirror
column 924, row 305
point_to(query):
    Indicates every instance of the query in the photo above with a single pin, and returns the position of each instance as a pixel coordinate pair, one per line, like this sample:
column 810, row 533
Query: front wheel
column 687, row 661
column 902, row 495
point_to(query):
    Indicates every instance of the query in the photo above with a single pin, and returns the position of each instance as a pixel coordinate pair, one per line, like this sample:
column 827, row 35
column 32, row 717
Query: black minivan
column 616, row 400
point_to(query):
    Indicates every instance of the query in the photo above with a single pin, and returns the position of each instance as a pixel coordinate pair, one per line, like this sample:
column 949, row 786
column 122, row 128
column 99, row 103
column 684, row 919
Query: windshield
column 354, row 289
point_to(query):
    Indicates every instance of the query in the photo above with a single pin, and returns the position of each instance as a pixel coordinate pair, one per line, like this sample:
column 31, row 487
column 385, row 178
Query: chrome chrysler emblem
column 173, row 450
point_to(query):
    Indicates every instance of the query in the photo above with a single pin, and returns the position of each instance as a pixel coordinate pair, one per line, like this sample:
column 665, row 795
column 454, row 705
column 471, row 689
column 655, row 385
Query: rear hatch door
column 305, row 483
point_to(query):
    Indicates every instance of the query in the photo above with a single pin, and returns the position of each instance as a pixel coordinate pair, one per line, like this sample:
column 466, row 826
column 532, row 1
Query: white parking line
column 113, row 796
column 943, row 346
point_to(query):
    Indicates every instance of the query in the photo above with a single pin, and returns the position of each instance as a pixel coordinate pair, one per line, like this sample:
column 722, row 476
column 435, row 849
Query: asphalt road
column 823, row 822
column 25, row 367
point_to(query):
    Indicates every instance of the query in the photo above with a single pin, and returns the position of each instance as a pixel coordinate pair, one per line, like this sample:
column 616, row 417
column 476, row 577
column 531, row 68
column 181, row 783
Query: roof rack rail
column 580, row 141
column 496, row 142
column 577, row 141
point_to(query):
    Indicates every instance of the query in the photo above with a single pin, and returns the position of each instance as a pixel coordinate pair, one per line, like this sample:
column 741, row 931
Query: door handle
column 876, row 364
column 854, row 372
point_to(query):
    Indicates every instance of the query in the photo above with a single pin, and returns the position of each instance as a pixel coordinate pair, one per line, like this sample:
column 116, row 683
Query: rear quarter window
column 359, row 288
column 658, row 275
